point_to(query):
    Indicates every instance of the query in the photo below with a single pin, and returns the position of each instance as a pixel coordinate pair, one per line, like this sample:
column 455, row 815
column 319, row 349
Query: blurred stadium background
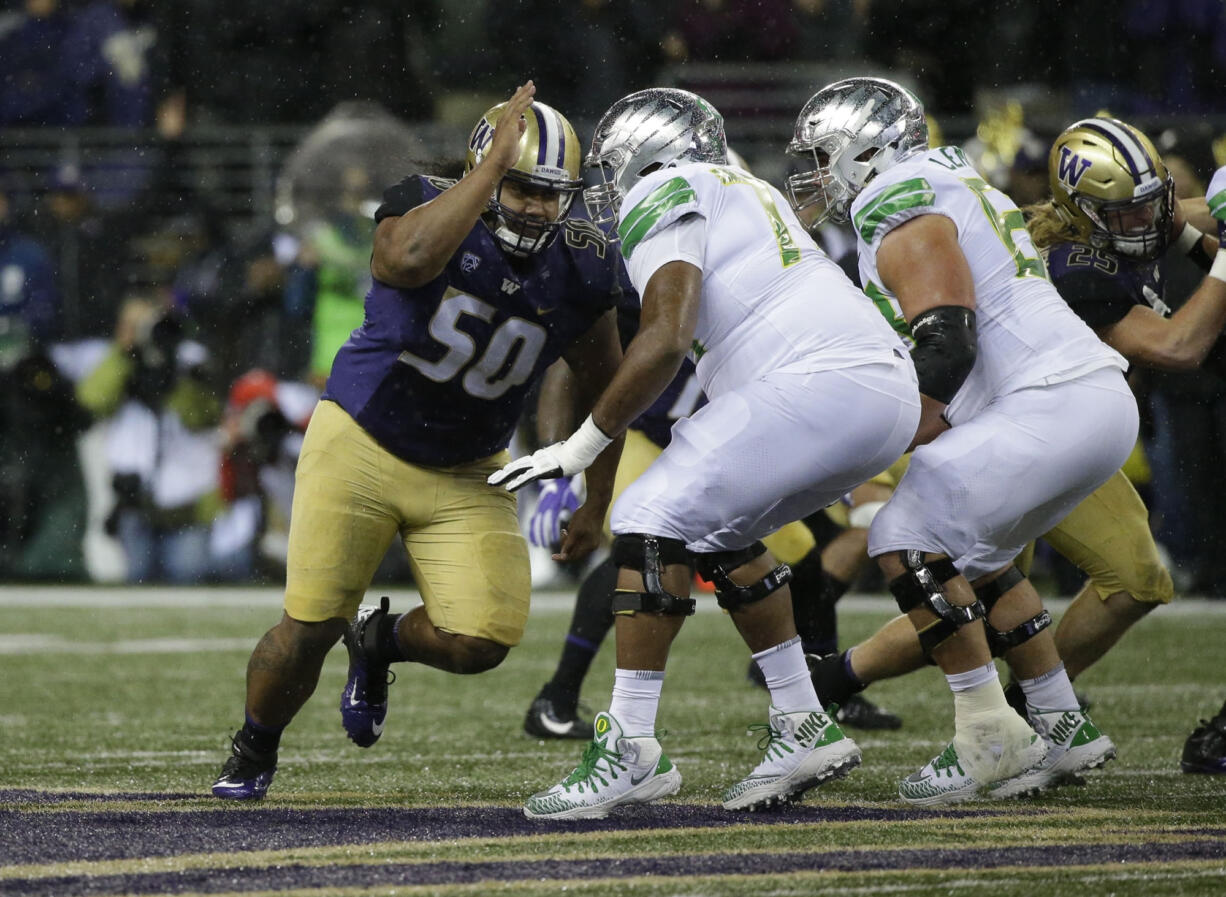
column 185, row 197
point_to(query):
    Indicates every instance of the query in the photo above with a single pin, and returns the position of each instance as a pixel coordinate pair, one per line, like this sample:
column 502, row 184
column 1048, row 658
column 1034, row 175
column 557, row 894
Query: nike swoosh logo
column 376, row 729
column 638, row 780
column 542, row 311
column 554, row 727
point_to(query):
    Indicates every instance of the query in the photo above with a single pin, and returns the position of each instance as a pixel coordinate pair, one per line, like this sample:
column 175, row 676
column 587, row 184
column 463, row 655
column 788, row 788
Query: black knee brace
column 988, row 594
column 922, row 584
column 716, row 566
column 649, row 555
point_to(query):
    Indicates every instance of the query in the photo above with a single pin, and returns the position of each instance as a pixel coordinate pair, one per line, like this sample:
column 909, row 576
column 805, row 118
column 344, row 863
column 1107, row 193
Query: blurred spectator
column 83, row 245
column 1178, row 61
column 1027, row 180
column 829, row 29
column 329, row 282
column 172, row 237
column 1010, row 156
column 619, row 51
column 1101, row 78
column 730, row 31
column 283, row 61
column 211, row 285
column 374, row 51
column 327, row 192
column 263, row 427
column 36, row 84
column 111, row 48
column 938, row 41
column 42, row 494
column 28, row 292
column 253, row 329
column 162, row 443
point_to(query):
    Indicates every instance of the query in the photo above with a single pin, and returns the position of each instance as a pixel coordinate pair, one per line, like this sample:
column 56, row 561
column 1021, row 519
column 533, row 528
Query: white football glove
column 562, row 459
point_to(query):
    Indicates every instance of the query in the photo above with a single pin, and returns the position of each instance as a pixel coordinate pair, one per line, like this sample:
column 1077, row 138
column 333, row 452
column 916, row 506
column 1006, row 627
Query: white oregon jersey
column 771, row 299
column 1027, row 335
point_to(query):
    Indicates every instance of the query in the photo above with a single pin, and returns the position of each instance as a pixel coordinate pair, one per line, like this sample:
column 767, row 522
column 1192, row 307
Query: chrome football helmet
column 548, row 163
column 648, row 130
column 851, row 130
column 1110, row 185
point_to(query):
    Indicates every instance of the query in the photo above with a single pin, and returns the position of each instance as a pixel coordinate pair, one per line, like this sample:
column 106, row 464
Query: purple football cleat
column 364, row 700
column 247, row 774
column 1205, row 749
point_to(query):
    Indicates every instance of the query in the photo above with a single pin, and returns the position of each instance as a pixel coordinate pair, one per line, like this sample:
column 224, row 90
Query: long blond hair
column 1047, row 226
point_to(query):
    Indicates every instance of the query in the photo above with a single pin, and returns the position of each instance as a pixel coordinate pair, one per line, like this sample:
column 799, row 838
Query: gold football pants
column 1108, row 537
column 352, row 497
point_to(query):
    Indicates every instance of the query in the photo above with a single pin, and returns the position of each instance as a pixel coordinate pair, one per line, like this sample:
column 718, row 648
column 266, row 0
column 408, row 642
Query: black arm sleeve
column 945, row 350
column 1099, row 301
column 401, row 198
column 1203, row 260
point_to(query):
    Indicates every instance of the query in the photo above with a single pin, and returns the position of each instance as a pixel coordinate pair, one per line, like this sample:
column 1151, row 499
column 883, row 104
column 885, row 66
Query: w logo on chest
column 509, row 286
column 1072, row 167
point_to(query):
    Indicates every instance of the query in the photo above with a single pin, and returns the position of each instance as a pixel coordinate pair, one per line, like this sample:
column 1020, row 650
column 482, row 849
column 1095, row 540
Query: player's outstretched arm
column 665, row 335
column 556, row 403
column 593, row 359
column 1195, row 211
column 412, row 249
column 666, row 332
column 1182, row 341
column 1178, row 343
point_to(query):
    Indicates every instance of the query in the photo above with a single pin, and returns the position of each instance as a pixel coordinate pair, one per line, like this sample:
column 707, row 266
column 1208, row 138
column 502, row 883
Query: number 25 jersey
column 1027, row 335
column 438, row 374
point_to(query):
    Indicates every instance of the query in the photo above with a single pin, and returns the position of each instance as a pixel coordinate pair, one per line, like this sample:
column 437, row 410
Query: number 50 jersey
column 438, row 374
column 1026, row 333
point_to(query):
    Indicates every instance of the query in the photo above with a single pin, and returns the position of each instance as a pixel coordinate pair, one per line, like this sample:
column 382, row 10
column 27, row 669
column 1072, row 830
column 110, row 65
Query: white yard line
column 110, row 597
column 549, row 600
column 41, row 643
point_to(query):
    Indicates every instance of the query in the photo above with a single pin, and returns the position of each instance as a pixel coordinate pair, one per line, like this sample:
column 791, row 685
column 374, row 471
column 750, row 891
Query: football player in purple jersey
column 478, row 286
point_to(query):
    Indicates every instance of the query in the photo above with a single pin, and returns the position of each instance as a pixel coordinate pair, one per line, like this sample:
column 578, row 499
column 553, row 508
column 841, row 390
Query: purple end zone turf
column 279, row 878
column 112, row 834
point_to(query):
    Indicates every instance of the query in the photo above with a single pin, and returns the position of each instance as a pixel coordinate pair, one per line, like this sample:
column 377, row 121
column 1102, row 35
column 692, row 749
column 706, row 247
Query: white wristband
column 585, row 444
column 1188, row 238
column 1219, row 266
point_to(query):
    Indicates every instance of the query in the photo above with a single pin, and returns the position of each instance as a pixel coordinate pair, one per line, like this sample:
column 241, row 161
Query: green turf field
column 115, row 717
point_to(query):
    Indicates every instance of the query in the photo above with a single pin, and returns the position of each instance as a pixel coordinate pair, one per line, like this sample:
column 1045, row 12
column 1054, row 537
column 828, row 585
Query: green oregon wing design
column 643, row 217
column 1217, row 205
column 910, row 194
